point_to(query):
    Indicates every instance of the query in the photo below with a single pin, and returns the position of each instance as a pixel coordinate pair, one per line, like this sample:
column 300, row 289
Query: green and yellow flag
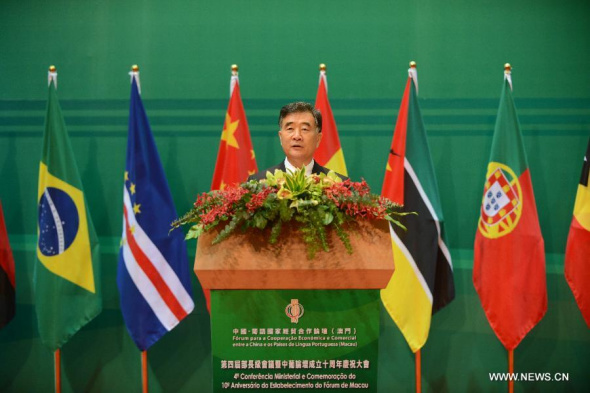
column 67, row 277
column 423, row 280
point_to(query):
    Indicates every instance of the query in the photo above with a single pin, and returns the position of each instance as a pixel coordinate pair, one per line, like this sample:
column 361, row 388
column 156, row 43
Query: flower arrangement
column 315, row 202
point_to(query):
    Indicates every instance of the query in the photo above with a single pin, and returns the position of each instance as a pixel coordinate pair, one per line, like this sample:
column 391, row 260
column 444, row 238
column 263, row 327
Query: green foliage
column 315, row 203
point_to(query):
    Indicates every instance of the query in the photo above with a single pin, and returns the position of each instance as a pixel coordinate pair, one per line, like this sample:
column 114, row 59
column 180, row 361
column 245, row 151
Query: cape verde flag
column 153, row 276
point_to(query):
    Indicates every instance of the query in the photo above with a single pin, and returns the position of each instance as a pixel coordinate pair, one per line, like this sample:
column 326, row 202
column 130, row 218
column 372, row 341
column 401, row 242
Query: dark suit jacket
column 317, row 169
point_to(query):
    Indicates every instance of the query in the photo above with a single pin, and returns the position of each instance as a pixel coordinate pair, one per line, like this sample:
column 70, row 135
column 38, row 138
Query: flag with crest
column 509, row 254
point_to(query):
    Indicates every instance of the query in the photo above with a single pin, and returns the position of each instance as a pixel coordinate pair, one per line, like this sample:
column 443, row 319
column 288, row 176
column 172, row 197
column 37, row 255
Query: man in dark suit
column 300, row 133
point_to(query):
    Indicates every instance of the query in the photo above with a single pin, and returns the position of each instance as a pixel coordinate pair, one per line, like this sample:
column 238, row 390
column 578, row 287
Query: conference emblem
column 294, row 310
column 64, row 244
column 501, row 206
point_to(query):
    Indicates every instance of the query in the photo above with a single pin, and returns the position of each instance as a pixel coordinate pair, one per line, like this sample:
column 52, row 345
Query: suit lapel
column 317, row 168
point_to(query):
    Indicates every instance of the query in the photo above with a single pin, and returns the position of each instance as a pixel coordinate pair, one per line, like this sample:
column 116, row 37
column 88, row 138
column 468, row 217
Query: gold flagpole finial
column 134, row 73
column 52, row 76
column 507, row 68
column 412, row 64
column 323, row 67
column 234, row 69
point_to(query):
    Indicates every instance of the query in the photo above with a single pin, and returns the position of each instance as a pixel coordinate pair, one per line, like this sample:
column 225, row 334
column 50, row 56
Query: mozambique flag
column 67, row 277
column 423, row 280
column 7, row 281
column 509, row 256
column 235, row 158
column 329, row 153
column 577, row 253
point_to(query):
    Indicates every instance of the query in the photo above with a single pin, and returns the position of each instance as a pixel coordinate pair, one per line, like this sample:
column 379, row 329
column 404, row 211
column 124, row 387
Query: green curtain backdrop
column 185, row 49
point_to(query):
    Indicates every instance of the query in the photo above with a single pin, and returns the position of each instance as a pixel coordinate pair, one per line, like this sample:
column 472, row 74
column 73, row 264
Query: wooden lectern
column 282, row 321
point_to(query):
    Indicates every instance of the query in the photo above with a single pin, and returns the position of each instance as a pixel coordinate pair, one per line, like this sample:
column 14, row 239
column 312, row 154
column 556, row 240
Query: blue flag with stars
column 153, row 275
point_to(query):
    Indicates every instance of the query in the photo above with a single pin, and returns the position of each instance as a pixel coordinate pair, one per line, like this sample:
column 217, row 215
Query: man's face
column 299, row 138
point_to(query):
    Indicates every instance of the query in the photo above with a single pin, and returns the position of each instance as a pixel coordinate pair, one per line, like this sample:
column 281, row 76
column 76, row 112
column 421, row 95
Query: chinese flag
column 235, row 159
column 329, row 153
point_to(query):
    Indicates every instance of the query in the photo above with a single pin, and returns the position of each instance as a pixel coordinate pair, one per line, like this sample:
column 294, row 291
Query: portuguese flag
column 577, row 253
column 67, row 275
column 509, row 255
column 423, row 279
column 329, row 153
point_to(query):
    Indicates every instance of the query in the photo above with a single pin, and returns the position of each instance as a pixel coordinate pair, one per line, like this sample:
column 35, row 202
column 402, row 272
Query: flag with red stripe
column 423, row 281
column 329, row 153
column 153, row 275
column 7, row 281
column 577, row 253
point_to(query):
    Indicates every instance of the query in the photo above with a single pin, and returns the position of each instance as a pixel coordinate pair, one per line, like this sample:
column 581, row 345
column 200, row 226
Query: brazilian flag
column 67, row 277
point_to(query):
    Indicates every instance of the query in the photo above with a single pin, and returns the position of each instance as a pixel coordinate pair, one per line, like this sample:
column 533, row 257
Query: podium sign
column 289, row 340
column 282, row 322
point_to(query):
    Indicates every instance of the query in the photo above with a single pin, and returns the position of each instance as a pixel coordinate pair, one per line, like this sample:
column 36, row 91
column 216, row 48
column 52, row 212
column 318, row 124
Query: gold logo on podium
column 294, row 310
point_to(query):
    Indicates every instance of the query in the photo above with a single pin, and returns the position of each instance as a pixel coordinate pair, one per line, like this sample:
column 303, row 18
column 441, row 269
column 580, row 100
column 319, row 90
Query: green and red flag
column 67, row 276
column 509, row 255
column 329, row 153
column 423, row 279
column 235, row 158
column 577, row 253
column 7, row 278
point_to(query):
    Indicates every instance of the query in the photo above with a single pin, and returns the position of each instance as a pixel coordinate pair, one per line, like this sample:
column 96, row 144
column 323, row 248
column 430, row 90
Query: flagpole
column 508, row 73
column 52, row 76
column 413, row 73
column 57, row 367
column 510, row 370
column 144, row 371
column 323, row 75
column 508, row 76
column 234, row 79
column 418, row 357
column 134, row 73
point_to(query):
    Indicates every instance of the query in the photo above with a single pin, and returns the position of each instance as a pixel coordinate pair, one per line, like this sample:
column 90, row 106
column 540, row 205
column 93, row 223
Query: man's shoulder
column 261, row 175
column 317, row 169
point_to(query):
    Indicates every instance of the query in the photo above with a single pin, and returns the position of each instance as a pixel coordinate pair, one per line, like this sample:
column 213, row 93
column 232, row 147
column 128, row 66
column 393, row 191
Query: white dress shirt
column 291, row 168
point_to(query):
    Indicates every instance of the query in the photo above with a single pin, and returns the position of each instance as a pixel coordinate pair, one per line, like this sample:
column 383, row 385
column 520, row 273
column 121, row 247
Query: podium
column 282, row 322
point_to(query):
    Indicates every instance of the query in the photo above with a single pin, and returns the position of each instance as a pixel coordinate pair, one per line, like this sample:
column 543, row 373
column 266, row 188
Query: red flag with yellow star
column 235, row 159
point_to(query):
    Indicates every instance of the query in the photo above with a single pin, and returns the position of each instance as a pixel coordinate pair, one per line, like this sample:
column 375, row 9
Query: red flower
column 257, row 200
